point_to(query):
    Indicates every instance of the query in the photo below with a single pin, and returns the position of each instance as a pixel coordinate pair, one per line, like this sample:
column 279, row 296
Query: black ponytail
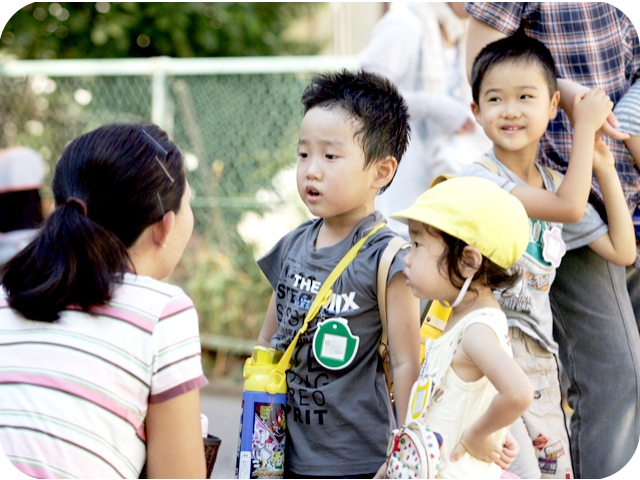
column 74, row 261
column 109, row 185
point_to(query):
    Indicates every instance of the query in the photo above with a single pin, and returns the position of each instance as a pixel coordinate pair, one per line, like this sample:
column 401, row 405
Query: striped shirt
column 592, row 43
column 628, row 111
column 74, row 393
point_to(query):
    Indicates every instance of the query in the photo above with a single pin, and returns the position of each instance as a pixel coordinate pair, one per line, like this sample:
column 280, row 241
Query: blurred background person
column 421, row 48
column 21, row 176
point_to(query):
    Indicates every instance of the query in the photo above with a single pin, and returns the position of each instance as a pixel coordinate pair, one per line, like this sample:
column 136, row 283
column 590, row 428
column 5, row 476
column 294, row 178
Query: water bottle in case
column 262, row 421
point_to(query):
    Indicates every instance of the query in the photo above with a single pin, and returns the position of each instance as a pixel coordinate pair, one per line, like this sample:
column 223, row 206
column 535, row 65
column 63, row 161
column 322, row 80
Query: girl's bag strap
column 278, row 376
column 390, row 252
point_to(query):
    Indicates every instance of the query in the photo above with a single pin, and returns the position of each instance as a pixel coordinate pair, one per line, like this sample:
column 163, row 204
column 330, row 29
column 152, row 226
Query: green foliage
column 44, row 30
column 44, row 114
column 227, row 287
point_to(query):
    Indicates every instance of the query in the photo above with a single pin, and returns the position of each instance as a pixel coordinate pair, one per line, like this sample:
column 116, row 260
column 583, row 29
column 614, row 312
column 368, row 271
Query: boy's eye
column 415, row 245
column 302, row 155
column 330, row 156
column 494, row 99
column 526, row 96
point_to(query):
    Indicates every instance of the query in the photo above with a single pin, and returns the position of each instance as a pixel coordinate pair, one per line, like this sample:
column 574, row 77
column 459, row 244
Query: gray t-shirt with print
column 339, row 421
column 527, row 304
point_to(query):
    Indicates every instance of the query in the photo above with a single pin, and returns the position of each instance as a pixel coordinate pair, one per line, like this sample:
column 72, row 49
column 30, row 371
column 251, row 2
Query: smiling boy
column 352, row 137
column 515, row 96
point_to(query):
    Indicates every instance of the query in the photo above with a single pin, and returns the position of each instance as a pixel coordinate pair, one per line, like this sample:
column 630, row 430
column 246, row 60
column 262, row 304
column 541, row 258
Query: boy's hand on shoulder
column 602, row 156
column 484, row 448
column 591, row 109
column 568, row 90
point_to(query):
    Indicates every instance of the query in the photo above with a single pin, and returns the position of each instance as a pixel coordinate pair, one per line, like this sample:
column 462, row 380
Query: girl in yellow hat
column 466, row 233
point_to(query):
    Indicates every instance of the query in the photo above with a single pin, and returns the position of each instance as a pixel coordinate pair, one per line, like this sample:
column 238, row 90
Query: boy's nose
column 313, row 169
column 510, row 110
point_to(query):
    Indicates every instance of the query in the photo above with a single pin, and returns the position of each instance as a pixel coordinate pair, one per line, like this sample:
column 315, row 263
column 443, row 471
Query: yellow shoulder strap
column 277, row 376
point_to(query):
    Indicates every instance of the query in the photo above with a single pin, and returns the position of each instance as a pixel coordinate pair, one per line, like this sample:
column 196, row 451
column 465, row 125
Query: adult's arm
column 479, row 35
column 174, row 438
column 451, row 114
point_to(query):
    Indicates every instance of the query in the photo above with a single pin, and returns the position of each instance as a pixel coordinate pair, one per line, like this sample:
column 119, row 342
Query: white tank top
column 461, row 403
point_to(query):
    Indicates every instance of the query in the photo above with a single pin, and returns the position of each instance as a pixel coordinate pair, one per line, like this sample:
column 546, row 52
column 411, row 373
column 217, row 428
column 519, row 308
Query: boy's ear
column 385, row 170
column 471, row 261
column 476, row 111
column 555, row 101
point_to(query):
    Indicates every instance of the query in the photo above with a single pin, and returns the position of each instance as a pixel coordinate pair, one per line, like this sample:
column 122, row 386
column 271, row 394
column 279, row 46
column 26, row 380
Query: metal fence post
column 159, row 91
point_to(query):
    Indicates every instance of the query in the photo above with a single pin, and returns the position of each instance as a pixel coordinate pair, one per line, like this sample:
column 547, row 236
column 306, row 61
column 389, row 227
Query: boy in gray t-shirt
column 514, row 97
column 353, row 134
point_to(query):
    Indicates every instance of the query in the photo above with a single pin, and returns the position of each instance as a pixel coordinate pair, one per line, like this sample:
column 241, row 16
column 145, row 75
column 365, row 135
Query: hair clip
column 165, row 169
column 160, row 202
column 155, row 141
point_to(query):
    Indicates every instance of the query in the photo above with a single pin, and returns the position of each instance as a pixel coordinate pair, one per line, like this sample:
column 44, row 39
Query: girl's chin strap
column 463, row 291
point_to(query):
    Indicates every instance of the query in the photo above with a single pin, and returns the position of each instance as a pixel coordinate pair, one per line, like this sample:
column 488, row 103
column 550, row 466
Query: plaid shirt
column 592, row 43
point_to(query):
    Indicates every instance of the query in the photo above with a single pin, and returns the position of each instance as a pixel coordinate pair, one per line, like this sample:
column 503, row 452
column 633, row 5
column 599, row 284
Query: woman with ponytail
column 99, row 360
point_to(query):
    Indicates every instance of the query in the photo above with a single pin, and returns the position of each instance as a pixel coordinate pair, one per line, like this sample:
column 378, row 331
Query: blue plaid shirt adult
column 606, row 57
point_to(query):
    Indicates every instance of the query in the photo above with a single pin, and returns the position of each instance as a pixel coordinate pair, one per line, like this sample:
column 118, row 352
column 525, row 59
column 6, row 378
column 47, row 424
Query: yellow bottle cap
column 265, row 355
column 258, row 369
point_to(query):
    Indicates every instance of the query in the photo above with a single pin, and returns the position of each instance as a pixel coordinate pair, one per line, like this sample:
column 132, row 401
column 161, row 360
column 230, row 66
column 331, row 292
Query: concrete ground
column 222, row 403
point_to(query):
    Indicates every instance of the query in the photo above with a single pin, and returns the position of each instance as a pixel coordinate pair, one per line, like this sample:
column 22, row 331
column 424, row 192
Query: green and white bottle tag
column 334, row 346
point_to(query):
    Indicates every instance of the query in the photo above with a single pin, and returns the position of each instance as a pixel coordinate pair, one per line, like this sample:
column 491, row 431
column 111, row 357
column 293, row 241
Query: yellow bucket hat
column 476, row 211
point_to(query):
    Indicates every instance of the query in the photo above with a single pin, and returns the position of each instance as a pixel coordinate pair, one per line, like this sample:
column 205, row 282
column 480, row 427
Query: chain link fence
column 236, row 120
